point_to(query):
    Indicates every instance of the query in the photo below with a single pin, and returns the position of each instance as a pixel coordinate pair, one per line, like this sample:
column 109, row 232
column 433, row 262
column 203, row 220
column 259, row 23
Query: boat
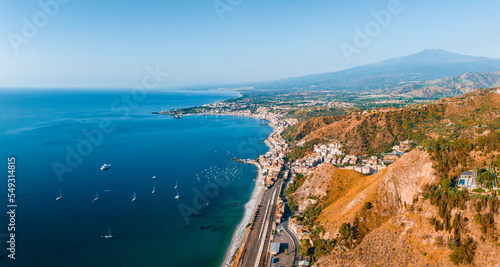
column 177, row 196
column 154, row 189
column 109, row 235
column 134, row 197
column 175, row 185
column 105, row 167
column 154, row 176
column 95, row 198
column 60, row 195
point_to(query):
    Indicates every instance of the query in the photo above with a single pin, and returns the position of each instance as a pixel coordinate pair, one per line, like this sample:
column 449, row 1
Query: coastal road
column 255, row 249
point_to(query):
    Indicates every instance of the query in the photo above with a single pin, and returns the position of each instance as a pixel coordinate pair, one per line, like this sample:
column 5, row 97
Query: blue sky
column 105, row 44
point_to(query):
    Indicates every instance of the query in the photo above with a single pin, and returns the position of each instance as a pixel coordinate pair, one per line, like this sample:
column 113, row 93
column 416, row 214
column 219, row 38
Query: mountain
column 430, row 64
column 378, row 130
column 410, row 213
column 451, row 86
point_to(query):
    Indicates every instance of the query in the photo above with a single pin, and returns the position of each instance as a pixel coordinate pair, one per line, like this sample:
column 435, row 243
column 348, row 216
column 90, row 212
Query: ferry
column 105, row 167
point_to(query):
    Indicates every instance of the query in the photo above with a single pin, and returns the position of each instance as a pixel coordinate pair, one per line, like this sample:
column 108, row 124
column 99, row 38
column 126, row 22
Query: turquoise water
column 46, row 129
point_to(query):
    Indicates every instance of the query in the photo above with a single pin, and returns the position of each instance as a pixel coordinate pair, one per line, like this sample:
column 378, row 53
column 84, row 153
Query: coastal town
column 273, row 235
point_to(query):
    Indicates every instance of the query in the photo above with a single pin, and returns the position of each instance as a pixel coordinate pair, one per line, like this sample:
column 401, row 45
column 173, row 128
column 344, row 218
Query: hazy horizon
column 69, row 44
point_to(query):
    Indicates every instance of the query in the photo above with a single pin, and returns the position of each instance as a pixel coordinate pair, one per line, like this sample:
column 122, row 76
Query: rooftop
column 275, row 247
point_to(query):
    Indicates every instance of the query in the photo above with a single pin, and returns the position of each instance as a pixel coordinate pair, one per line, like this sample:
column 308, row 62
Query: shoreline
column 241, row 232
column 250, row 208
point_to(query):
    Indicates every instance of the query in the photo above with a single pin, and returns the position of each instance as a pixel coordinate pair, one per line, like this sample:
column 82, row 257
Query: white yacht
column 105, row 167
column 177, row 196
column 60, row 195
column 154, row 189
column 134, row 197
column 95, row 198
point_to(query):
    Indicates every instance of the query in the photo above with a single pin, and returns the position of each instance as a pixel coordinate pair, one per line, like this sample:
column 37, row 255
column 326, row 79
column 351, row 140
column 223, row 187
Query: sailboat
column 109, row 235
column 154, row 176
column 154, row 189
column 177, row 196
column 95, row 198
column 134, row 197
column 175, row 185
column 60, row 195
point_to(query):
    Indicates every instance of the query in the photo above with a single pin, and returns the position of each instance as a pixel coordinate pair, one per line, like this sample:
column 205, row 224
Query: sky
column 109, row 44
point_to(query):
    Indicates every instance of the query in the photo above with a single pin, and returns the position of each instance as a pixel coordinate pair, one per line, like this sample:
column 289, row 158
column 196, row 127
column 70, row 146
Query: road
column 295, row 242
column 255, row 252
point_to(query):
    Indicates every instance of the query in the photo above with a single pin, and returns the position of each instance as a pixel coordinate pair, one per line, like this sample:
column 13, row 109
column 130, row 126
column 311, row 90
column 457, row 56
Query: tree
column 346, row 234
column 305, row 247
column 445, row 184
column 464, row 253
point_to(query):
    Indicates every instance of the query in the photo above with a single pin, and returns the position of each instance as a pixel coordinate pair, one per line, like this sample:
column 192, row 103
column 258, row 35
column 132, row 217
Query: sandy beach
column 250, row 206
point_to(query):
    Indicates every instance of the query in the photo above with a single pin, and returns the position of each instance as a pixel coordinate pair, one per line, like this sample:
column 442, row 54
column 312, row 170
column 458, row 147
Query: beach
column 250, row 208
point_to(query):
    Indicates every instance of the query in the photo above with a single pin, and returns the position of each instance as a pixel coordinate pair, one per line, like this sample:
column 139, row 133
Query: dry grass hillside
column 387, row 190
column 396, row 230
column 408, row 239
column 326, row 180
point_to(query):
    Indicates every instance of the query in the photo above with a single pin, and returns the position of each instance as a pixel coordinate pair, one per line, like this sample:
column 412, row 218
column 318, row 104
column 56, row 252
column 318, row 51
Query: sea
column 61, row 138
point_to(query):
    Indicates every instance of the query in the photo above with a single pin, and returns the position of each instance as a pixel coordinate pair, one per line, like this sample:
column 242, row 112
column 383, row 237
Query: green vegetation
column 450, row 198
column 298, row 181
column 449, row 154
column 301, row 151
column 478, row 190
column 445, row 184
column 367, row 205
column 347, row 234
column 463, row 250
column 305, row 247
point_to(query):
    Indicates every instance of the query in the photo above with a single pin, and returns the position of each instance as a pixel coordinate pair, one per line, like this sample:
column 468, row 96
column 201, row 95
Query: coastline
column 241, row 232
column 250, row 207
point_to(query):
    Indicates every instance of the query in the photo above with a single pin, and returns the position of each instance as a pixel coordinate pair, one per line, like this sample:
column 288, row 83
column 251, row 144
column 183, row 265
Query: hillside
column 375, row 131
column 429, row 64
column 410, row 213
column 408, row 239
column 451, row 86
column 396, row 229
column 385, row 190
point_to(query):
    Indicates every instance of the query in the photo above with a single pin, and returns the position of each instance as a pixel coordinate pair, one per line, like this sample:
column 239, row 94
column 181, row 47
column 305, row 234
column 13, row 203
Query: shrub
column 464, row 253
column 478, row 190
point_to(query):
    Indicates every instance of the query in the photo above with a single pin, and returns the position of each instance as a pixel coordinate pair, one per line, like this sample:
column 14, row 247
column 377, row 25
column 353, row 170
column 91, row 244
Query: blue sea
column 61, row 138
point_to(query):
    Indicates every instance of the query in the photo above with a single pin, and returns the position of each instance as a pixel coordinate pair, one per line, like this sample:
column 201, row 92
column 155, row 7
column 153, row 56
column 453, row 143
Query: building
column 467, row 179
column 303, row 263
column 274, row 249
